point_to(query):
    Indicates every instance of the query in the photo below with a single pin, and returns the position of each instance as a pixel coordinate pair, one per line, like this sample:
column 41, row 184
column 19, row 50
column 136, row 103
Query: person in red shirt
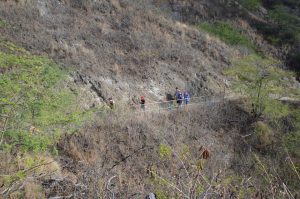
column 143, row 101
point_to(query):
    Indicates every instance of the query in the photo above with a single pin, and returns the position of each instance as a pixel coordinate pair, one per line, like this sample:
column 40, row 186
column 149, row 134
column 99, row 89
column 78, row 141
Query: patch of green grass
column 34, row 103
column 2, row 23
column 288, row 30
column 227, row 33
column 276, row 109
column 250, row 4
column 277, row 125
column 9, row 179
column 283, row 15
column 291, row 142
column 247, row 73
column 27, row 141
column 260, row 78
column 10, row 47
column 161, row 194
column 165, row 151
column 249, row 69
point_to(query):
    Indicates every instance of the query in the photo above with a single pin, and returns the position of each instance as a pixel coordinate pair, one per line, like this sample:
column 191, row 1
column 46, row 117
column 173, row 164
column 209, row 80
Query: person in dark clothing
column 176, row 93
column 179, row 99
column 143, row 101
column 187, row 98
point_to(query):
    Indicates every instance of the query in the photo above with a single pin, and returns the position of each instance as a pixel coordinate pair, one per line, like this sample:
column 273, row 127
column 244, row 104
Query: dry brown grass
column 21, row 176
column 115, row 32
column 116, row 3
column 16, row 195
column 121, row 144
column 127, row 145
column 264, row 134
column 33, row 191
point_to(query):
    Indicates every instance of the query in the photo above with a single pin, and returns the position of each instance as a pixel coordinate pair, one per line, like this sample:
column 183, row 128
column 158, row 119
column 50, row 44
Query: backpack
column 180, row 96
column 187, row 96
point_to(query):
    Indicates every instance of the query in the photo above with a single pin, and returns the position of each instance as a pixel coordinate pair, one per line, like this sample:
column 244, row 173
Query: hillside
column 61, row 60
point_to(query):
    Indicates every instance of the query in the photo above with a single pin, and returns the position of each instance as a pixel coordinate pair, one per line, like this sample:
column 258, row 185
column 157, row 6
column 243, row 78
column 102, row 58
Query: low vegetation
column 276, row 123
column 289, row 25
column 243, row 147
column 36, row 108
column 251, row 5
column 35, row 102
column 227, row 33
column 283, row 29
column 2, row 23
column 265, row 83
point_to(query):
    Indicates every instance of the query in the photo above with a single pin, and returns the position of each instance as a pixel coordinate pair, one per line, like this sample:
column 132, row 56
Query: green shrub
column 288, row 29
column 283, row 15
column 251, row 4
column 34, row 101
column 260, row 78
column 161, row 194
column 296, row 118
column 27, row 87
column 275, row 109
column 29, row 142
column 2, row 23
column 227, row 33
column 165, row 151
column 9, row 179
column 291, row 142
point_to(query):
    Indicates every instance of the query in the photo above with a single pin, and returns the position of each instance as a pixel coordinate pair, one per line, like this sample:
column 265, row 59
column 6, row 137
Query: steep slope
column 272, row 25
column 124, row 49
column 60, row 140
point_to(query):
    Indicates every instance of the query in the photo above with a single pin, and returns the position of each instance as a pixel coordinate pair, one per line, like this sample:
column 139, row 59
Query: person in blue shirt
column 187, row 98
column 176, row 93
column 179, row 99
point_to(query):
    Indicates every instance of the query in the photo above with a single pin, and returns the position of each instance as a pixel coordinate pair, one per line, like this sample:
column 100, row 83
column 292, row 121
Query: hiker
column 176, row 93
column 187, row 98
column 143, row 101
column 111, row 103
column 179, row 99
